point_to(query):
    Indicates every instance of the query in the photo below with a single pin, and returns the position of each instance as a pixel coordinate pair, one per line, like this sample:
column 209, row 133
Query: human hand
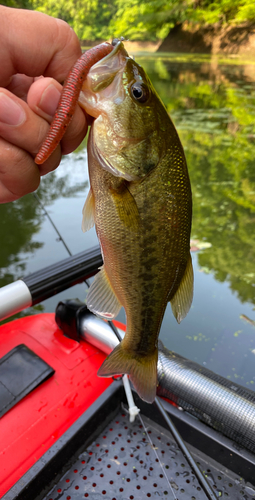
column 32, row 44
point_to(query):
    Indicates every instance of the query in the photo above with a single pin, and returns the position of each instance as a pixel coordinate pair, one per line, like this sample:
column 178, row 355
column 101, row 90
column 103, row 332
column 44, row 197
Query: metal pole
column 200, row 476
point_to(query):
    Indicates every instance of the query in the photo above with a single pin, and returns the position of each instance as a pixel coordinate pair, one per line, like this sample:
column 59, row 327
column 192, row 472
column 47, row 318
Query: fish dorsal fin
column 126, row 207
column 88, row 210
column 182, row 300
column 101, row 299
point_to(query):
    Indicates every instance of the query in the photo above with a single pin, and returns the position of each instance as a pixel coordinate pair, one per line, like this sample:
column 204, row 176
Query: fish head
column 128, row 132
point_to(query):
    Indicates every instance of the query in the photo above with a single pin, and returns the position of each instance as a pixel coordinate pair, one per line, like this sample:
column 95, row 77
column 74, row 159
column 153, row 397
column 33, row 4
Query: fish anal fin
column 101, row 299
column 182, row 299
column 88, row 211
column 142, row 370
column 126, row 207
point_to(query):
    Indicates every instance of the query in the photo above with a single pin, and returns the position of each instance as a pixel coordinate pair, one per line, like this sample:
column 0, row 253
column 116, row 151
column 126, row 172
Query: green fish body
column 140, row 202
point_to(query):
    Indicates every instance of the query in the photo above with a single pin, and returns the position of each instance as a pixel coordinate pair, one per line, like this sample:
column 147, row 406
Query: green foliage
column 89, row 18
column 18, row 4
column 246, row 12
column 138, row 19
column 152, row 19
column 217, row 11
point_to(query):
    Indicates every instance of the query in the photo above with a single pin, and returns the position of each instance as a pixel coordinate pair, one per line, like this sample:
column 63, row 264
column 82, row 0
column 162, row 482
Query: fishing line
column 113, row 327
column 157, row 456
column 202, row 480
column 171, row 426
column 200, row 476
column 55, row 228
column 52, row 223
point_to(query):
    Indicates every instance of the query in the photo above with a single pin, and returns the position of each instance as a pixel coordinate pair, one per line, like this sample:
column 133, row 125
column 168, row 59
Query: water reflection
column 213, row 107
column 21, row 222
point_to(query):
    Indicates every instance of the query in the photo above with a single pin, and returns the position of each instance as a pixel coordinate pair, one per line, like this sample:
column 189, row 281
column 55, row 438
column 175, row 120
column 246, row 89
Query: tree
column 147, row 20
column 89, row 18
column 19, row 4
column 152, row 19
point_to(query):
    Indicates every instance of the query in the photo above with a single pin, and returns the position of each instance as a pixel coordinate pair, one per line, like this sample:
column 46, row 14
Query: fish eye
column 140, row 92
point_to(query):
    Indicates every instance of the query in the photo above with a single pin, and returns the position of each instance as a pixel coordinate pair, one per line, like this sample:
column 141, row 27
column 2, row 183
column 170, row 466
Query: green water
column 212, row 103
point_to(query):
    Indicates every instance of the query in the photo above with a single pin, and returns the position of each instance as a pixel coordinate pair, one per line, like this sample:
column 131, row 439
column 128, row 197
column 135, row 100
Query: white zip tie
column 132, row 408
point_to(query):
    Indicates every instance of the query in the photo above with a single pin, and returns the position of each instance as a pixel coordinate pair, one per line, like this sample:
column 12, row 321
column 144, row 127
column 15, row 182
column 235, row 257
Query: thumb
column 43, row 97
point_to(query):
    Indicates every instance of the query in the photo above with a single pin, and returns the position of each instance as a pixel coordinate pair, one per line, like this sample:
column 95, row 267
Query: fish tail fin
column 141, row 370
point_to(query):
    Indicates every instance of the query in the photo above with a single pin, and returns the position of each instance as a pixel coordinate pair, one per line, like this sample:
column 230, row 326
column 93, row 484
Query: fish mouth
column 114, row 144
column 103, row 86
column 103, row 81
column 105, row 164
column 118, row 47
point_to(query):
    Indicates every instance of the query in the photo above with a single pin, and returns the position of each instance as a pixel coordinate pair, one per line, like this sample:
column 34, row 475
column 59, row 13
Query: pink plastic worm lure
column 69, row 98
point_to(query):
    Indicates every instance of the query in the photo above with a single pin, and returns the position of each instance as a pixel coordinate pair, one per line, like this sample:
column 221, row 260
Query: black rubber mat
column 140, row 460
column 21, row 371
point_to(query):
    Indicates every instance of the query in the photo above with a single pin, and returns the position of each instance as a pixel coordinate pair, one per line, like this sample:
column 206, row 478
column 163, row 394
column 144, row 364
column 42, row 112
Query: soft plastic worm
column 69, row 98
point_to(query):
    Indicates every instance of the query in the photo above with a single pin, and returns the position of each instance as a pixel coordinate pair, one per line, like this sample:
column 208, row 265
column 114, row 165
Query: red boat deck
column 33, row 425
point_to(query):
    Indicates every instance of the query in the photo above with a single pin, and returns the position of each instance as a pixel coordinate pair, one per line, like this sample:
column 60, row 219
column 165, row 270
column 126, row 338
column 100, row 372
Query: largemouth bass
column 140, row 202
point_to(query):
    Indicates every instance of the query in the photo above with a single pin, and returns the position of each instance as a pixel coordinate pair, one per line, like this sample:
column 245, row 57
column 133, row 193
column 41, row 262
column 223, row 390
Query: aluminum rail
column 216, row 401
column 98, row 333
column 49, row 281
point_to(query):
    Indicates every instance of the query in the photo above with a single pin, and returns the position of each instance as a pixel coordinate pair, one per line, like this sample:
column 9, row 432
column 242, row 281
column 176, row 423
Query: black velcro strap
column 21, row 371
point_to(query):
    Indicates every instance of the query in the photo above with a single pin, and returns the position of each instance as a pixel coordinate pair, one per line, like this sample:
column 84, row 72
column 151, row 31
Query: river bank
column 131, row 46
column 211, row 39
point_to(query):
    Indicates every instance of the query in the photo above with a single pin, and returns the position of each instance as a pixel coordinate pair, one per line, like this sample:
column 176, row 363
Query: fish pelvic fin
column 101, row 299
column 88, row 212
column 182, row 299
column 142, row 370
column 126, row 207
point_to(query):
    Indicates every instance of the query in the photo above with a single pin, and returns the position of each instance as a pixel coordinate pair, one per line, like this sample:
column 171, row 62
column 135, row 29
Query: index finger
column 35, row 44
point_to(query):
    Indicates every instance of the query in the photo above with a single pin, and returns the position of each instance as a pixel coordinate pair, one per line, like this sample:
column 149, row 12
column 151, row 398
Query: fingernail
column 11, row 113
column 49, row 100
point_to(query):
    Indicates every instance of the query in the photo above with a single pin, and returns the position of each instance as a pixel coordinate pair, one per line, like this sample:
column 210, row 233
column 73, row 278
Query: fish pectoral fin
column 182, row 300
column 101, row 299
column 88, row 212
column 126, row 207
column 142, row 370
